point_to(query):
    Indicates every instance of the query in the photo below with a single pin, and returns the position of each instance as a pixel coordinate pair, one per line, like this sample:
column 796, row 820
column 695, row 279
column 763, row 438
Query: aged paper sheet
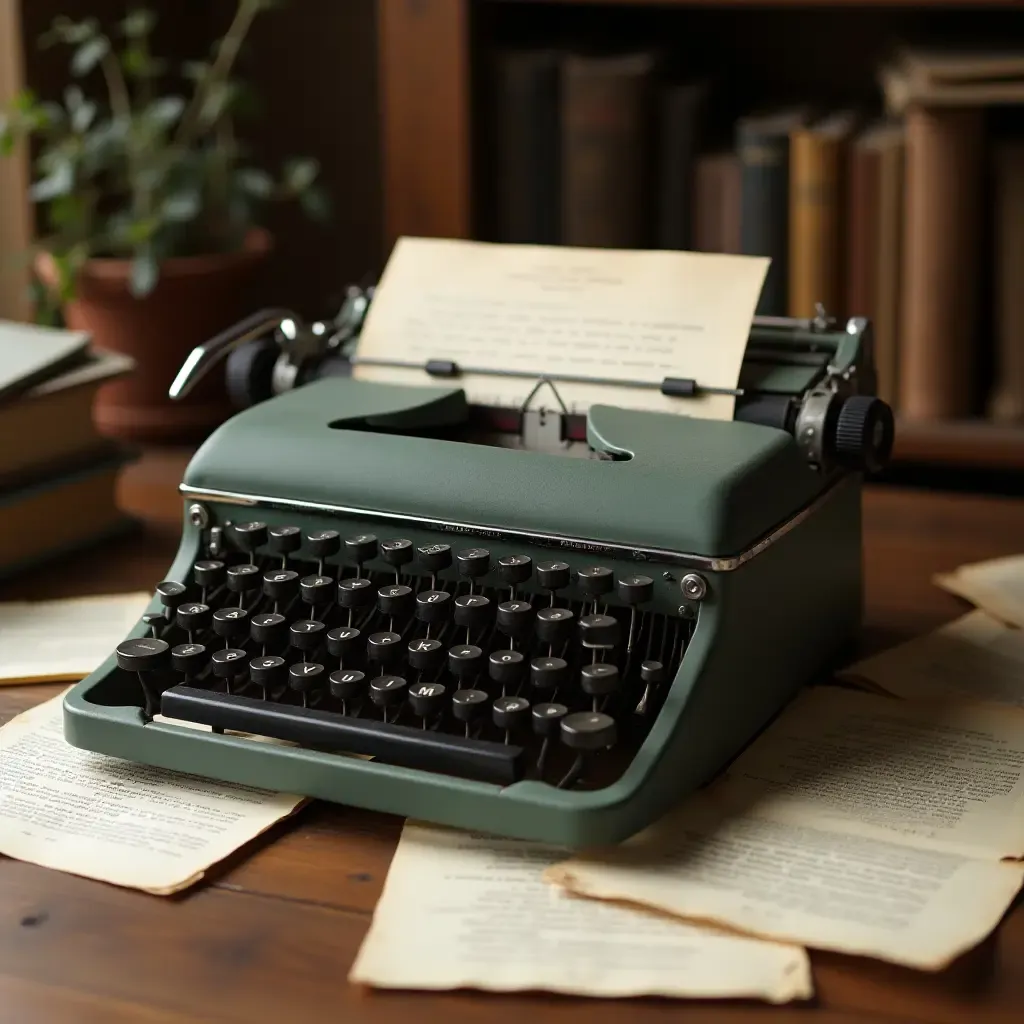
column 467, row 911
column 975, row 657
column 59, row 641
column 108, row 819
column 856, row 823
column 997, row 586
column 550, row 310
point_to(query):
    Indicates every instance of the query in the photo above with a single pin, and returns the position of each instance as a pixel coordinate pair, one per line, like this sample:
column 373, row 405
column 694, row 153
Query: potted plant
column 149, row 208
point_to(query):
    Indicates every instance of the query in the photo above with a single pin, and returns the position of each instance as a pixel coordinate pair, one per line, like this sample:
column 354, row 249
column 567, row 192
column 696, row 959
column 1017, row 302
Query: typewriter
column 522, row 622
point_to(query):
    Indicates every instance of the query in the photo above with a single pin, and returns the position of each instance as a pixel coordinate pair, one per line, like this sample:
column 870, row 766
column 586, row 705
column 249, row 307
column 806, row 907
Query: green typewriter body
column 397, row 613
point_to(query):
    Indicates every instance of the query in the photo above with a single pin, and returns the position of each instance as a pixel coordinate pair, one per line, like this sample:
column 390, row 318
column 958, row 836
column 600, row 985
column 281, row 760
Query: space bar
column 482, row 760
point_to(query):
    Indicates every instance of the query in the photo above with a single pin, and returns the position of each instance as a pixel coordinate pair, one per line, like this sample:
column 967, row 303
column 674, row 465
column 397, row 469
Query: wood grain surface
column 271, row 935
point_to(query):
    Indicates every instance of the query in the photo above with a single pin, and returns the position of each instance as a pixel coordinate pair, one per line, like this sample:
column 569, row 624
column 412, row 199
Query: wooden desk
column 271, row 936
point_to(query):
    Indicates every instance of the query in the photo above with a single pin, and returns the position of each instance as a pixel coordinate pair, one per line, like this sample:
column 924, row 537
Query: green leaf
column 145, row 271
column 255, row 182
column 6, row 141
column 139, row 23
column 163, row 112
column 217, row 102
column 182, row 206
column 300, row 174
column 73, row 33
column 67, row 212
column 195, row 70
column 83, row 117
column 316, row 203
column 24, row 101
column 58, row 182
column 89, row 54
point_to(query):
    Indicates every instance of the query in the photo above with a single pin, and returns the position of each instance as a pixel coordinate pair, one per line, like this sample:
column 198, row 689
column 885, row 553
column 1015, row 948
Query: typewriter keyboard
column 440, row 658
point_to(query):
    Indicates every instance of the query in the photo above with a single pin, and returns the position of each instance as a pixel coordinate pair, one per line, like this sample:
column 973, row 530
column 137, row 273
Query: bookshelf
column 435, row 175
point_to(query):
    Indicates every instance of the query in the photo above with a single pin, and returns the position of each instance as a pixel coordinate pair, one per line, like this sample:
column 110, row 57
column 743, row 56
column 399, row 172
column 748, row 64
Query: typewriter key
column 192, row 617
column 515, row 618
column 595, row 582
column 469, row 705
column 322, row 544
column 283, row 540
column 396, row 601
column 426, row 700
column 280, row 585
column 388, row 692
column 155, row 621
column 268, row 673
column 316, row 590
column 434, row 558
column 242, row 579
column 634, row 590
column 354, row 594
column 142, row 656
column 510, row 713
column 346, row 684
column 171, row 593
column 465, row 661
column 554, row 625
column 268, row 628
column 553, row 576
column 506, row 667
column 384, row 648
column 433, row 606
column 250, row 536
column 515, row 569
column 361, row 549
column 208, row 574
column 229, row 622
column 599, row 679
column 342, row 642
column 396, row 553
column 304, row 676
column 548, row 674
column 305, row 635
column 227, row 664
column 426, row 655
column 472, row 611
column 189, row 659
column 474, row 563
column 599, row 631
column 547, row 723
column 652, row 674
column 585, row 732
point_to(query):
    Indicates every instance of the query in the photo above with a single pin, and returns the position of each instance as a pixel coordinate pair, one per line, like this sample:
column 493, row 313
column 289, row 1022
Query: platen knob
column 865, row 430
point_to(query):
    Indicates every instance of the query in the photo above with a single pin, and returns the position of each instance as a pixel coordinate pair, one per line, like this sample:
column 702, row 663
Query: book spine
column 605, row 153
column 941, row 236
column 716, row 203
column 888, row 267
column 764, row 210
column 815, row 231
column 679, row 125
column 862, row 232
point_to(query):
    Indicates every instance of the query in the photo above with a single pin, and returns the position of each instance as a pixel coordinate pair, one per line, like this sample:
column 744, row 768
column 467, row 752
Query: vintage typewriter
column 517, row 621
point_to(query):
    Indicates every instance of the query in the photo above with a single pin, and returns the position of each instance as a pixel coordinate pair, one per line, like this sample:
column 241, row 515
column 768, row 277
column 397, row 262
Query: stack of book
column 58, row 476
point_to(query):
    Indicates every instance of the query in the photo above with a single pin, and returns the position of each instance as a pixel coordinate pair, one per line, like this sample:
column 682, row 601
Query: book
column 716, row 203
column 29, row 354
column 680, row 108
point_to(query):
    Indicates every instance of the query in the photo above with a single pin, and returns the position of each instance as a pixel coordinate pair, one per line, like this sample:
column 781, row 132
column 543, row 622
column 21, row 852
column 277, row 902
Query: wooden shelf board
column 965, row 443
column 837, row 4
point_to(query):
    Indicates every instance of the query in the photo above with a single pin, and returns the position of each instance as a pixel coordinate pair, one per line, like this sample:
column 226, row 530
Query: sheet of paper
column 97, row 816
column 997, row 586
column 856, row 822
column 56, row 641
column 556, row 310
column 465, row 911
column 975, row 657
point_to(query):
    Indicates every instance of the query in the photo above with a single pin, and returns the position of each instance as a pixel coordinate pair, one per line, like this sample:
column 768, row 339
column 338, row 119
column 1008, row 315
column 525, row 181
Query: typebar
column 402, row 745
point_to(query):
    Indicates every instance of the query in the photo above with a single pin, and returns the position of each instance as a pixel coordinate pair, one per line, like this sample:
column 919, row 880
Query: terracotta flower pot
column 194, row 299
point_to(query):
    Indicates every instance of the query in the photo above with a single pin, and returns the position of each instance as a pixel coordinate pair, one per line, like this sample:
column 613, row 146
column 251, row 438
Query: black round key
column 434, row 557
column 548, row 673
column 243, row 578
column 588, row 730
column 171, row 593
column 554, row 625
column 361, row 548
column 356, row 593
column 469, row 705
column 316, row 590
column 387, row 691
column 384, row 647
column 250, row 536
column 509, row 713
column 306, row 634
column 227, row 663
column 652, row 672
column 599, row 678
column 342, row 641
column 283, row 540
column 209, row 573
column 553, row 575
column 268, row 628
column 514, row 569
column 304, row 676
column 144, row 654
column 268, row 672
column 189, row 659
column 395, row 600
column 346, row 683
column 634, row 589
column 472, row 611
column 506, row 667
column 515, row 617
column 596, row 581
column 465, row 661
column 547, row 719
column 397, row 552
column 229, row 622
column 474, row 562
column 433, row 605
column 192, row 616
column 323, row 543
column 426, row 699
column 425, row 655
column 599, row 630
column 281, row 584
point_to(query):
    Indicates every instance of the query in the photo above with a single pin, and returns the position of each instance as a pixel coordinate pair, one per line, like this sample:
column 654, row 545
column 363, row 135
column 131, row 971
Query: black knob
column 356, row 593
column 283, row 540
column 652, row 672
column 243, row 578
column 316, row 590
column 433, row 605
column 599, row 678
column 596, row 581
column 192, row 617
column 468, row 705
column 553, row 575
column 145, row 654
column 515, row 569
column 465, row 661
column 634, row 589
column 228, row 663
column 474, row 562
column 304, row 676
column 472, row 611
column 306, row 634
column 548, row 673
column 361, row 548
column 281, row 584
column 425, row 655
column 395, row 600
column 268, row 628
column 346, row 683
column 509, row 713
column 426, row 699
column 435, row 557
column 506, row 667
column 515, row 617
column 268, row 672
column 396, row 552
column 250, row 536
column 171, row 593
column 599, row 630
column 554, row 625
column 342, row 641
column 864, row 433
column 588, row 730
column 547, row 719
column 323, row 543
column 385, row 648
column 387, row 691
column 189, row 659
column 208, row 573
column 229, row 622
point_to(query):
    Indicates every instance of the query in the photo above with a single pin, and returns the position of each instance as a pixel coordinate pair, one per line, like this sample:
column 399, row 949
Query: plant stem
column 121, row 107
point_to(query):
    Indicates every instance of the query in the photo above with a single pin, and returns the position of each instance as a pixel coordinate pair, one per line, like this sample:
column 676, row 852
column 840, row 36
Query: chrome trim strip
column 551, row 540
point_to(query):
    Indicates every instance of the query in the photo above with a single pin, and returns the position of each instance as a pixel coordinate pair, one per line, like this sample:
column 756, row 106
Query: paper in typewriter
column 856, row 823
column 553, row 310
column 100, row 817
column 997, row 586
column 466, row 911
